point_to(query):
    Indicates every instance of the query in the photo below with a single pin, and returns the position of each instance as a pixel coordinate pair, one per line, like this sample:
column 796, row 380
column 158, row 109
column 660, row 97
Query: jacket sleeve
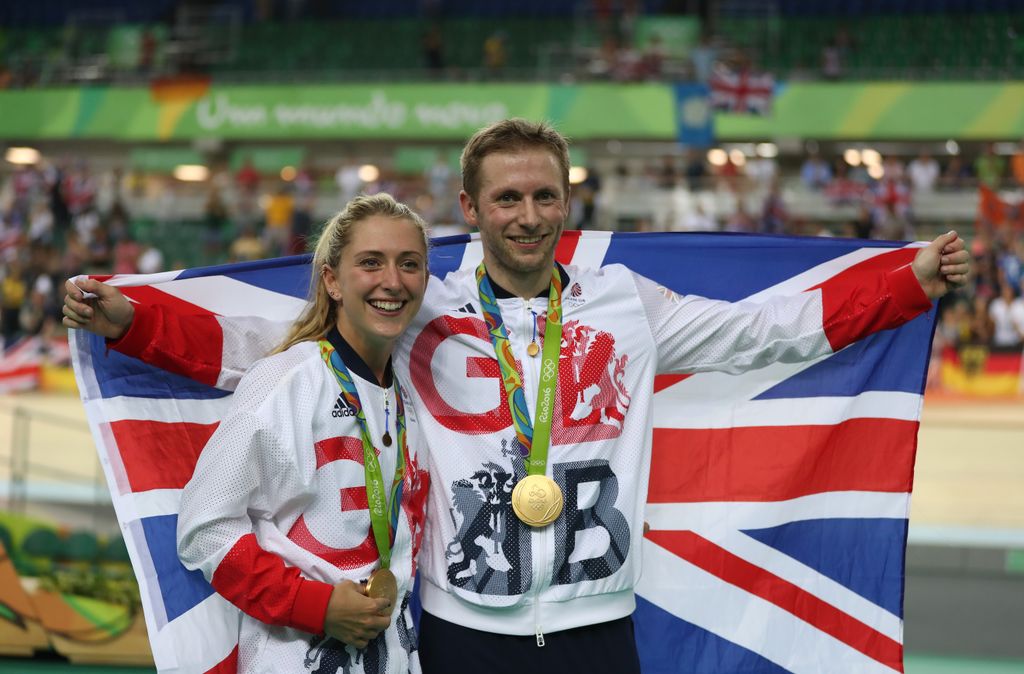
column 696, row 334
column 213, row 350
column 243, row 471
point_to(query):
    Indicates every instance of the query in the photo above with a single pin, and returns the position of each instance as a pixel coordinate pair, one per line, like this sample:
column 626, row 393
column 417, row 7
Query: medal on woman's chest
column 383, row 510
column 537, row 500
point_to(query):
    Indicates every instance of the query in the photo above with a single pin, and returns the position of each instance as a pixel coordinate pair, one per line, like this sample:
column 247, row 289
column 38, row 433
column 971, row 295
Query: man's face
column 520, row 210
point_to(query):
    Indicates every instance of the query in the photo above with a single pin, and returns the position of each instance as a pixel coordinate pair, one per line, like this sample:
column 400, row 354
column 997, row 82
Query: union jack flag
column 778, row 498
column 741, row 91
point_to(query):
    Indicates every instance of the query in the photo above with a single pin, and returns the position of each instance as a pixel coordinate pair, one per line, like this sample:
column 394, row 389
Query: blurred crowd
column 62, row 218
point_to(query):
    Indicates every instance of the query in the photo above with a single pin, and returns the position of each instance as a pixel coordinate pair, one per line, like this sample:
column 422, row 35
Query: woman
column 319, row 582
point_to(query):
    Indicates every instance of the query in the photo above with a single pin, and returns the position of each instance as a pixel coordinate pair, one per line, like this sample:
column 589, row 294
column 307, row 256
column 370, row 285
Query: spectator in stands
column 695, row 220
column 831, row 60
column 695, row 169
column 247, row 178
column 1006, row 312
column 433, row 49
column 13, row 293
column 1017, row 165
column 248, row 246
column 774, row 216
column 652, row 60
column 495, row 56
column 815, row 173
column 843, row 190
column 702, row 58
column 990, row 167
column 278, row 213
column 957, row 174
column 1009, row 262
column 667, row 176
column 923, row 172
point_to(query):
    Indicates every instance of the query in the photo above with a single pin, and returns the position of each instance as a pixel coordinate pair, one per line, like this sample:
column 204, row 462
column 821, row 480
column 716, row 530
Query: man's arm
column 695, row 334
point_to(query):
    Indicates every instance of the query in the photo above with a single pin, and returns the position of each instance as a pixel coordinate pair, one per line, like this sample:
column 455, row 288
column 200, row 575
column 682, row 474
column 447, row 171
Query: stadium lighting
column 852, row 156
column 767, row 150
column 368, row 173
column 577, row 174
column 952, row 147
column 717, row 157
column 876, row 171
column 871, row 157
column 22, row 155
column 737, row 157
column 191, row 173
column 288, row 173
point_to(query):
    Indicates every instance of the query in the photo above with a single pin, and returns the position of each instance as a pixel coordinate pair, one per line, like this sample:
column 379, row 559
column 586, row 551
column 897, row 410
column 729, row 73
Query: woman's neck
column 374, row 354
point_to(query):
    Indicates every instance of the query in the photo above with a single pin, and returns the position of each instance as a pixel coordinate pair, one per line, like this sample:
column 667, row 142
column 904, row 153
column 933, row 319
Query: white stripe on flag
column 739, row 515
column 229, row 297
column 706, row 601
column 474, row 253
column 806, row 578
column 164, row 410
column 151, row 503
column 200, row 639
column 591, row 249
column 673, row 411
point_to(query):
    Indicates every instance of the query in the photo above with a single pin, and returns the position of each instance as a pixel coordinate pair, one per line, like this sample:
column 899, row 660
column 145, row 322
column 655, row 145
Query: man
column 532, row 546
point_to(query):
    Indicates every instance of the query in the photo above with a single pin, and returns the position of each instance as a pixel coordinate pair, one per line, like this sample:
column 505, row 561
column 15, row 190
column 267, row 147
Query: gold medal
column 382, row 584
column 532, row 349
column 537, row 500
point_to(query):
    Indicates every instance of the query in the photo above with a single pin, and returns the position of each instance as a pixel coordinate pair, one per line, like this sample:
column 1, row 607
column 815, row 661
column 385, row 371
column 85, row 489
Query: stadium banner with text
column 198, row 109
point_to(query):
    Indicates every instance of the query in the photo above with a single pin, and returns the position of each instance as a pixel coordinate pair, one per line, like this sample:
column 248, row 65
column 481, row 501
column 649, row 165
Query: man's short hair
column 510, row 135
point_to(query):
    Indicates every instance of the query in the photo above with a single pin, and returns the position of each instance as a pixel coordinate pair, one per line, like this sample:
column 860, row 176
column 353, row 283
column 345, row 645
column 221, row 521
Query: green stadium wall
column 862, row 111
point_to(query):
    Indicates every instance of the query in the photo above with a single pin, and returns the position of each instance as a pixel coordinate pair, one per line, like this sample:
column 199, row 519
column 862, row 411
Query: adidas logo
column 342, row 408
column 468, row 309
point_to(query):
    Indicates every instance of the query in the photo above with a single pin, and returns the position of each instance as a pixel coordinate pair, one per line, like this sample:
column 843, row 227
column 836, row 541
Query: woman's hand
column 354, row 618
column 108, row 314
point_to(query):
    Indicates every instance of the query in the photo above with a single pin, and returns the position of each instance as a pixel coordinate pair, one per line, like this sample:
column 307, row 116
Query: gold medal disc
column 537, row 500
column 382, row 584
column 532, row 349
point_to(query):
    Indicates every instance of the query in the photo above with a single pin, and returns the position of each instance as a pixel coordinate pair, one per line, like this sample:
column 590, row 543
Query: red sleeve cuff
column 907, row 292
column 140, row 334
column 310, row 607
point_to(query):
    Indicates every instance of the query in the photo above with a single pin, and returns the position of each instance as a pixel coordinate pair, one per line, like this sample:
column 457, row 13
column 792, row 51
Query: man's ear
column 468, row 206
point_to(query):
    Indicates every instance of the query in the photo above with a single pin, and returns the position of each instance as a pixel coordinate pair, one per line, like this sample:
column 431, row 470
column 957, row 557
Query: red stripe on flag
column 151, row 295
column 339, row 449
column 228, row 665
column 567, row 246
column 775, row 463
column 787, row 596
column 158, row 455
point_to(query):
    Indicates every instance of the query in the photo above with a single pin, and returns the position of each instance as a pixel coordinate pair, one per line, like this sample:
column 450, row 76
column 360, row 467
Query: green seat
column 82, row 546
column 44, row 543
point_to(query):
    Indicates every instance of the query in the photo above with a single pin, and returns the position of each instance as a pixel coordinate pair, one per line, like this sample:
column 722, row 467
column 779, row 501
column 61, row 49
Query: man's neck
column 526, row 286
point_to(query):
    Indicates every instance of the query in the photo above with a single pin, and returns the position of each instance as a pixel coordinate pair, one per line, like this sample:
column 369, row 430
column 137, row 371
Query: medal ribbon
column 383, row 513
column 534, row 438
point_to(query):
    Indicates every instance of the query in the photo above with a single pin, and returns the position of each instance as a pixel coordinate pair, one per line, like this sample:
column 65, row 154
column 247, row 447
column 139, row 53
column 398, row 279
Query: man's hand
column 109, row 313
column 942, row 265
column 354, row 618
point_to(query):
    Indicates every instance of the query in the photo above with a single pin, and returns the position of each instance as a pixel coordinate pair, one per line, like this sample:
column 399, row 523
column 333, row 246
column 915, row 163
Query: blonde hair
column 510, row 135
column 320, row 313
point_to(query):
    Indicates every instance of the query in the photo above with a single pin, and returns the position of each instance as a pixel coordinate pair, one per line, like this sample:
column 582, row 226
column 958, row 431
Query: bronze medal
column 382, row 584
column 537, row 500
column 532, row 349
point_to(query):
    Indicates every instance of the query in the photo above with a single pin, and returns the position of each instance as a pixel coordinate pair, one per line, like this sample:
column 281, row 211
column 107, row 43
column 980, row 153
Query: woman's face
column 379, row 282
